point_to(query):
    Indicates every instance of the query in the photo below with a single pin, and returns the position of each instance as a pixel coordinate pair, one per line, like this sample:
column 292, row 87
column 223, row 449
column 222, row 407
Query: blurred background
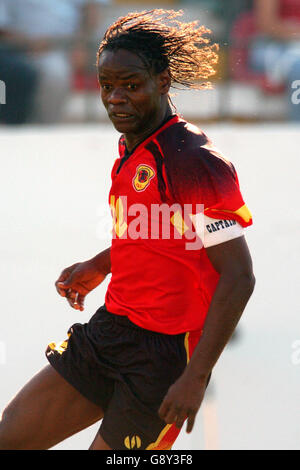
column 48, row 53
column 57, row 150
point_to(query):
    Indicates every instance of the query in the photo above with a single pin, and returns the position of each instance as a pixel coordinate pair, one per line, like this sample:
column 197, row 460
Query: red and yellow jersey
column 171, row 198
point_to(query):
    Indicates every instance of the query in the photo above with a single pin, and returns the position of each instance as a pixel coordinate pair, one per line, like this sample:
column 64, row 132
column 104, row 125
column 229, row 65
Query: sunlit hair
column 163, row 42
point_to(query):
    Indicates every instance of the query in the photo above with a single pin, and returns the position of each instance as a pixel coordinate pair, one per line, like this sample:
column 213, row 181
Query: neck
column 132, row 140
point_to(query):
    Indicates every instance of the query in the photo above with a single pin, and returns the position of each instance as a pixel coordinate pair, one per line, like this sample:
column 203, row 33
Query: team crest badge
column 144, row 174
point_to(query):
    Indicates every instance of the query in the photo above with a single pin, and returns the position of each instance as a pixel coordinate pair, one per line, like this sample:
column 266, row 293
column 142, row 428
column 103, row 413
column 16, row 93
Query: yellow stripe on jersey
column 179, row 223
column 242, row 212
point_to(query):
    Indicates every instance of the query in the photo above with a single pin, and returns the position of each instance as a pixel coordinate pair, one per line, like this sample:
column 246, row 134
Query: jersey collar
column 174, row 118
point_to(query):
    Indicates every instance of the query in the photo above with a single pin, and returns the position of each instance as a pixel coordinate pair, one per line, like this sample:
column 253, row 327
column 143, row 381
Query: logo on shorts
column 132, row 443
column 144, row 174
column 60, row 347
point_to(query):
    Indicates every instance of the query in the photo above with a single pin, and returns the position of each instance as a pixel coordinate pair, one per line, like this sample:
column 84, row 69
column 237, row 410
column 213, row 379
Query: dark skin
column 231, row 260
column 141, row 97
column 128, row 87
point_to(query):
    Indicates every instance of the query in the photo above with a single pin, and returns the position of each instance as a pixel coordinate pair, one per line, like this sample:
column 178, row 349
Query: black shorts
column 127, row 371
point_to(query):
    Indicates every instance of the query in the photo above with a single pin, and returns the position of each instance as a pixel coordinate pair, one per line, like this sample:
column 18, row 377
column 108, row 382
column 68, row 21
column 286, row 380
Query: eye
column 132, row 86
column 106, row 87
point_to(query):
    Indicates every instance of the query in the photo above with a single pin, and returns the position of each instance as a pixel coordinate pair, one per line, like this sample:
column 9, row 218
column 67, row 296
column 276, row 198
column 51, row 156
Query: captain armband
column 215, row 231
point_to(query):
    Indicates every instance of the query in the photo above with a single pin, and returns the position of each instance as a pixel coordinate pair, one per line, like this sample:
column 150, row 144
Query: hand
column 77, row 281
column 182, row 401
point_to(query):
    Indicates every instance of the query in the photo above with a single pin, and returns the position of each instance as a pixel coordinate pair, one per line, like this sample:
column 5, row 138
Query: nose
column 117, row 96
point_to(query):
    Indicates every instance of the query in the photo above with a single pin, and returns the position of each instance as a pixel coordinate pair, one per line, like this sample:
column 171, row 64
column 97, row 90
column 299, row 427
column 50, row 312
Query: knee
column 4, row 435
column 8, row 435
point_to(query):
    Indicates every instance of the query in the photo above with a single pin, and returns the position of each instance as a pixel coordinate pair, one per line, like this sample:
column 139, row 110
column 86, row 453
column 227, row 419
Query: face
column 131, row 95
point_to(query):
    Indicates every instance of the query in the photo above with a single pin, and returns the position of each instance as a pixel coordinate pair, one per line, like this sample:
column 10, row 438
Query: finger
column 163, row 410
column 71, row 294
column 190, row 423
column 80, row 300
column 74, row 305
column 60, row 283
column 180, row 419
column 65, row 281
column 61, row 288
column 72, row 298
column 171, row 415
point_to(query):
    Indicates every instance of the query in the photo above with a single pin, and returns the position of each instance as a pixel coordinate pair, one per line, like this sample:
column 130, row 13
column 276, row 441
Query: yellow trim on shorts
column 186, row 345
column 155, row 444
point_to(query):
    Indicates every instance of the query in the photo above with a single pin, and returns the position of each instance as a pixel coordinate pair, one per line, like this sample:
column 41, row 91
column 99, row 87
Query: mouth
column 121, row 116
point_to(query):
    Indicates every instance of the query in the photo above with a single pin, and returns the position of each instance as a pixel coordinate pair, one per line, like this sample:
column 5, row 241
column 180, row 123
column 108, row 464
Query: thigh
column 46, row 411
column 131, row 420
column 99, row 444
column 129, row 424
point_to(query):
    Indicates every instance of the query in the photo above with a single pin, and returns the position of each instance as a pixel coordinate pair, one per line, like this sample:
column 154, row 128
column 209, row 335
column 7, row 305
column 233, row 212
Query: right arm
column 102, row 261
column 78, row 280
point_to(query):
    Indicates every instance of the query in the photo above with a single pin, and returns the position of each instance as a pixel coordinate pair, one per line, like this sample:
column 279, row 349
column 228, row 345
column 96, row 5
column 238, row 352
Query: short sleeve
column 209, row 180
column 224, row 199
column 197, row 175
column 209, row 184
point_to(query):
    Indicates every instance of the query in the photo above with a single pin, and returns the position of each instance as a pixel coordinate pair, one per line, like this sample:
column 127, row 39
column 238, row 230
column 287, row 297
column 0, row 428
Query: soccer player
column 181, row 272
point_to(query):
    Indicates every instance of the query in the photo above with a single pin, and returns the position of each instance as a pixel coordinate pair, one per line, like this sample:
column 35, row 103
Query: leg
column 99, row 444
column 45, row 412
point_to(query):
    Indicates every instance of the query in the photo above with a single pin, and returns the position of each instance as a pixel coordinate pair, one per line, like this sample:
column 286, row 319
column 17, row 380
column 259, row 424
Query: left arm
column 233, row 262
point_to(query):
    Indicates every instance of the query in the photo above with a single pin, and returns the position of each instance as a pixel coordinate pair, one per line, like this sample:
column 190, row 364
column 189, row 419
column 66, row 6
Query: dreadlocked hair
column 163, row 42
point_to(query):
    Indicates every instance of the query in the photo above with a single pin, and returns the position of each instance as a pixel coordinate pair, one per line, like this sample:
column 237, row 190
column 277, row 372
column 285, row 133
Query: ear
column 164, row 81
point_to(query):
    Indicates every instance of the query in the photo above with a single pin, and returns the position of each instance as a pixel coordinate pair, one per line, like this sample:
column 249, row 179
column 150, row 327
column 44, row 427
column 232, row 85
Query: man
column 143, row 361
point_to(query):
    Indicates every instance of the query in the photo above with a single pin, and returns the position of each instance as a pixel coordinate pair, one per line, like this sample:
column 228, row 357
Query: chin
column 125, row 127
